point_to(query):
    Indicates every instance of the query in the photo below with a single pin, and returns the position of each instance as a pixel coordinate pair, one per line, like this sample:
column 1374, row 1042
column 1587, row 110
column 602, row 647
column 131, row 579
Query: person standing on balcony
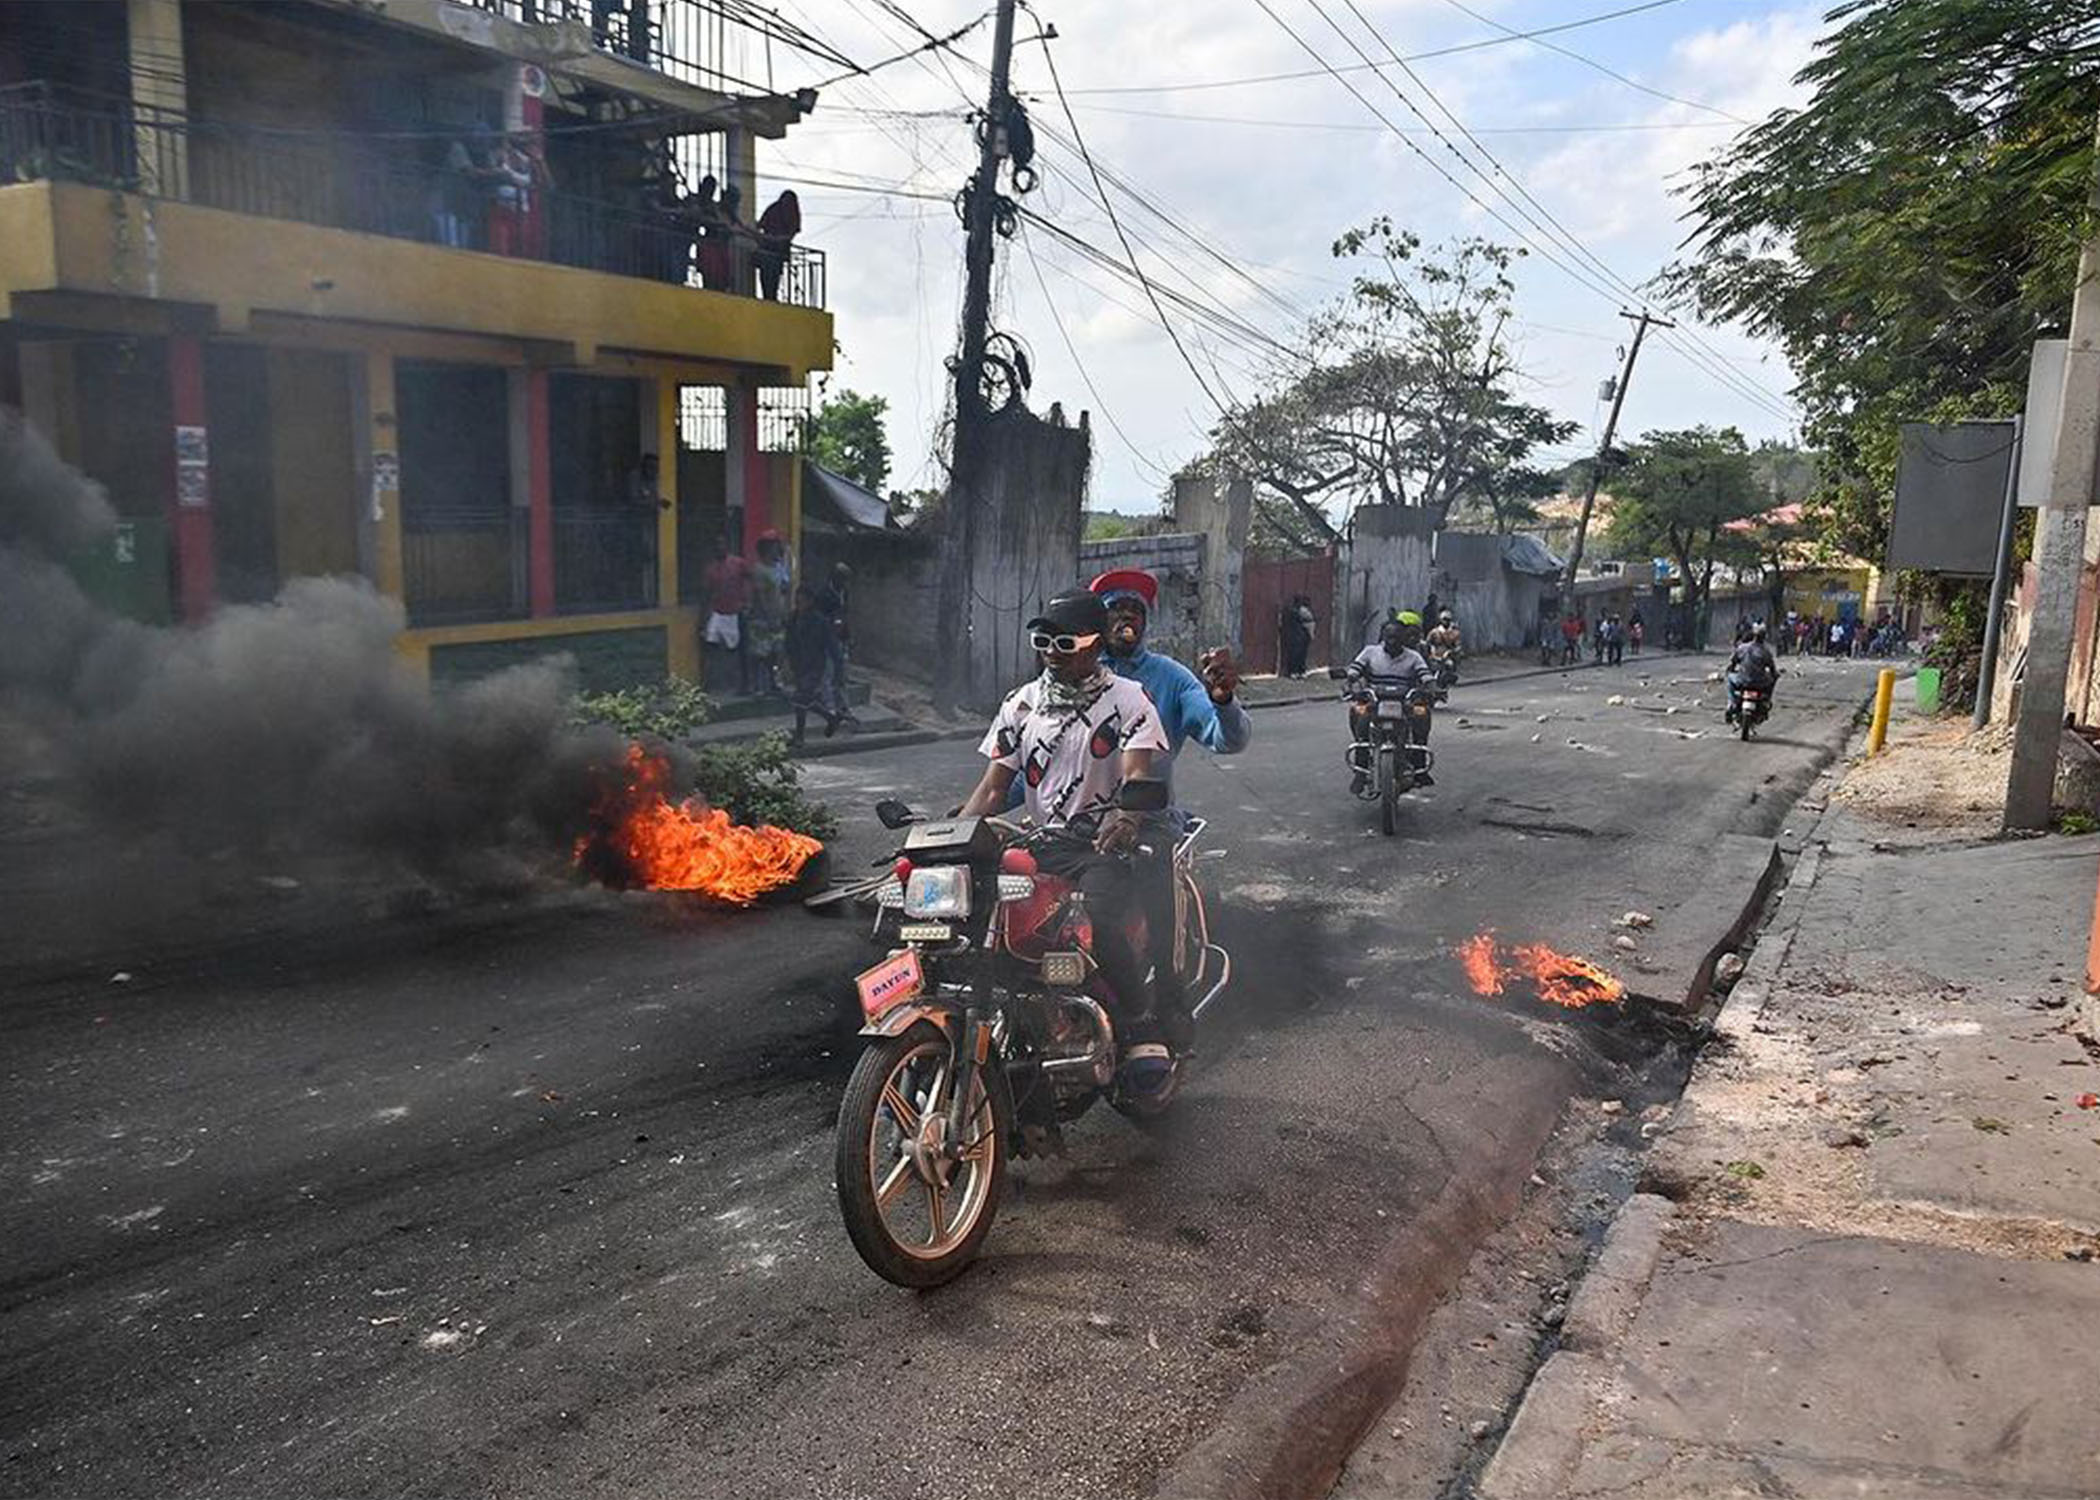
column 730, row 235
column 518, row 171
column 777, row 228
column 456, row 195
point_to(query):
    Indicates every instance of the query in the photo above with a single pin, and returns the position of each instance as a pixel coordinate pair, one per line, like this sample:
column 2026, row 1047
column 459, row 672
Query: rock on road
column 536, row 1200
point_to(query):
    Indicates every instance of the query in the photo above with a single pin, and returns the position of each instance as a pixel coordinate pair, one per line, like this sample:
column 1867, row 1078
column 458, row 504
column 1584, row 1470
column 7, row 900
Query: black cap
column 1074, row 612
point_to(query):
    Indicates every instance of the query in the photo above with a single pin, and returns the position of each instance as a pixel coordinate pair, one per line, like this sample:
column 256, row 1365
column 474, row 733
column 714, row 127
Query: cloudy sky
column 1256, row 178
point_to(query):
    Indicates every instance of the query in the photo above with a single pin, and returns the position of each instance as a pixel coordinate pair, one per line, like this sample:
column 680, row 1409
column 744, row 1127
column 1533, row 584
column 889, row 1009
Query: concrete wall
column 1497, row 608
column 1179, row 560
column 1027, row 550
column 1387, row 564
column 1223, row 518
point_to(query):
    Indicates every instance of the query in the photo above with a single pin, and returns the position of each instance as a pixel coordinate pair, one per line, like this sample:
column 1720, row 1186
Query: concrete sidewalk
column 1868, row 1259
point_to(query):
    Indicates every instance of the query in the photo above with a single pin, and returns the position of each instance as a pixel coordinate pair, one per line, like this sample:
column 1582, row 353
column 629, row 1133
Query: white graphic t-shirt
column 1070, row 761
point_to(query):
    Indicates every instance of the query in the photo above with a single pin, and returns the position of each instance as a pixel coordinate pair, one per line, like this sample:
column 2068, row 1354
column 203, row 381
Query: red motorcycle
column 988, row 1029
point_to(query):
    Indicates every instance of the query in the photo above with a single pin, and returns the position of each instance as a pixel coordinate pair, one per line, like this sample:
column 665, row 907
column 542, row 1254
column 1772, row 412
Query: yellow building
column 422, row 291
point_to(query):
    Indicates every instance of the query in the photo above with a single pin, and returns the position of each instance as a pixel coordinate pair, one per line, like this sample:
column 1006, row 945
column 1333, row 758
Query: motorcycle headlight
column 938, row 891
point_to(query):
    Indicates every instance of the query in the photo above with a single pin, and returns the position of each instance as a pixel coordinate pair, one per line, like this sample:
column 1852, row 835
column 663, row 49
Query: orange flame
column 1558, row 978
column 644, row 839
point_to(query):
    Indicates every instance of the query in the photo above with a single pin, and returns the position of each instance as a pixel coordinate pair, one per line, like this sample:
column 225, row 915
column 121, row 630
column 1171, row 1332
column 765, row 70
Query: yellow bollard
column 1884, row 690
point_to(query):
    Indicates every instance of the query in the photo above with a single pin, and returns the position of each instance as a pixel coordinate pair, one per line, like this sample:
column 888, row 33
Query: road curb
column 1291, row 1428
column 1603, row 1306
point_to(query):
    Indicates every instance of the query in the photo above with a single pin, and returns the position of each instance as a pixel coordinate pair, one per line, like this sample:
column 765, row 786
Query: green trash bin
column 1928, row 690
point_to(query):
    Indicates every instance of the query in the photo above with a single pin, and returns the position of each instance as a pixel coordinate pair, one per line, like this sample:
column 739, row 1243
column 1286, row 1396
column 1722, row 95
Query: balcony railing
column 342, row 184
column 461, row 565
column 604, row 561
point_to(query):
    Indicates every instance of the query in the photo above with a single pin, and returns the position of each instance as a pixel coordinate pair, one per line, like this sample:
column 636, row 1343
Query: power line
column 1591, row 62
column 1108, row 415
column 1741, row 385
column 1474, row 46
column 1576, row 273
column 1350, row 125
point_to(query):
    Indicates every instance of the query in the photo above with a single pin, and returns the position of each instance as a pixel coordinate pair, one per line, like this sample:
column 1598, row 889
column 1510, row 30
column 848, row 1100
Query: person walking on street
column 810, row 638
column 1571, row 631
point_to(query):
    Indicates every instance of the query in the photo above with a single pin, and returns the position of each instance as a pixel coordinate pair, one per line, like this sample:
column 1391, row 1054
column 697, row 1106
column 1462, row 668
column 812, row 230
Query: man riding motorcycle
column 1393, row 662
column 1445, row 646
column 1752, row 665
column 1072, row 736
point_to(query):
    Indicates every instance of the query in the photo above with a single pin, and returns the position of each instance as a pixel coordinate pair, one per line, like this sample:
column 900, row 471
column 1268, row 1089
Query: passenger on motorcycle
column 1204, row 709
column 1072, row 736
column 1393, row 662
column 1752, row 665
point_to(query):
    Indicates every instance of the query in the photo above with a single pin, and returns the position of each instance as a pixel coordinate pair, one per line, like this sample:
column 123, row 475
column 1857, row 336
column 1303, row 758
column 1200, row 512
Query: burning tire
column 917, row 1213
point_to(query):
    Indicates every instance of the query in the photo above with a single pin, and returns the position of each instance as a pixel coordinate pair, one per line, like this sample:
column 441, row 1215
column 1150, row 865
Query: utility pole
column 969, row 461
column 2060, row 552
column 1641, row 322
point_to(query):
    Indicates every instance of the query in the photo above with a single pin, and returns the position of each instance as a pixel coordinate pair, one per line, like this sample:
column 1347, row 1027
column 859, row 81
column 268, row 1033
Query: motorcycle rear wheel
column 917, row 1219
column 1742, row 723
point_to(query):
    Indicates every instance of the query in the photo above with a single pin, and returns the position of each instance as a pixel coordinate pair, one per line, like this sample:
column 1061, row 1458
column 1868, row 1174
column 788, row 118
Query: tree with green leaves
column 1677, row 497
column 1908, row 233
column 1401, row 393
column 848, row 435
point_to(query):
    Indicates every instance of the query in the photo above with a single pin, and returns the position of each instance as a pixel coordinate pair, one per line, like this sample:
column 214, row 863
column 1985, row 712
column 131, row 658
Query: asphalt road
column 536, row 1200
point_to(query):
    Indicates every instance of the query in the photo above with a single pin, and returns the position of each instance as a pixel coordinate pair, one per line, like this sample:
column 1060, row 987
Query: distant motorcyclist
column 1752, row 666
column 1446, row 647
column 1394, row 662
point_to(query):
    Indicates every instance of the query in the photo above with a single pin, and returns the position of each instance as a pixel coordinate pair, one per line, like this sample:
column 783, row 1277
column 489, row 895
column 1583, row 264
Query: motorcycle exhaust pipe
column 1100, row 1055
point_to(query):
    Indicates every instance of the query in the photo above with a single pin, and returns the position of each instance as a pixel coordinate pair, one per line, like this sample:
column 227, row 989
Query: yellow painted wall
column 68, row 237
column 313, row 462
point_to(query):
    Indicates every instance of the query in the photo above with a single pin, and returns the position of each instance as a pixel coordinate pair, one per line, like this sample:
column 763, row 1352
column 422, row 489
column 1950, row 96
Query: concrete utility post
column 968, row 463
column 1641, row 323
column 2060, row 546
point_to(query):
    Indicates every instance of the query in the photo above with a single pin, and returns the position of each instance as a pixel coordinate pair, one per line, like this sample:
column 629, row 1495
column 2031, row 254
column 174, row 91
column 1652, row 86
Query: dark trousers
column 1110, row 886
column 1294, row 649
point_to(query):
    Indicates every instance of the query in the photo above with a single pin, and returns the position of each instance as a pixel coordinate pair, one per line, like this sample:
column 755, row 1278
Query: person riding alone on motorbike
column 1752, row 665
column 1445, row 645
column 1204, row 709
column 1072, row 736
column 1393, row 662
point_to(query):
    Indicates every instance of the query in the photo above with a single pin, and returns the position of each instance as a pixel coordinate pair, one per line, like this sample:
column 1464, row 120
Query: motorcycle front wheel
column 917, row 1213
column 1388, row 790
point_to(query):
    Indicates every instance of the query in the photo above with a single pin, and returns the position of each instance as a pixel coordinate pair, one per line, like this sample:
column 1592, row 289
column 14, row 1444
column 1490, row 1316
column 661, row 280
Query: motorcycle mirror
column 894, row 814
column 1142, row 796
column 1337, row 672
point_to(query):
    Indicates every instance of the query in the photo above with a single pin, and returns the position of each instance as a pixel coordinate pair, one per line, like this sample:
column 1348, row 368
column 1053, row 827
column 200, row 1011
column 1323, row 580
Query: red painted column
column 539, row 495
column 758, row 474
column 189, row 480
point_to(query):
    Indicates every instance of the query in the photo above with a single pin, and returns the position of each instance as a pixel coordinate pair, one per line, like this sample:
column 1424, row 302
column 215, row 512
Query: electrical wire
column 1707, row 358
column 1452, row 51
column 1575, row 272
column 1534, row 37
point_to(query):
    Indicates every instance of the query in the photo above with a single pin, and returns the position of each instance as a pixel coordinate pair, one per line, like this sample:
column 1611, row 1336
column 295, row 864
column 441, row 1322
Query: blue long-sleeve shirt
column 1186, row 711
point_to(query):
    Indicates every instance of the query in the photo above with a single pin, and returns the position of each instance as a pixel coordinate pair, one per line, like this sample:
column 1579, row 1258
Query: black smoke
column 284, row 727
